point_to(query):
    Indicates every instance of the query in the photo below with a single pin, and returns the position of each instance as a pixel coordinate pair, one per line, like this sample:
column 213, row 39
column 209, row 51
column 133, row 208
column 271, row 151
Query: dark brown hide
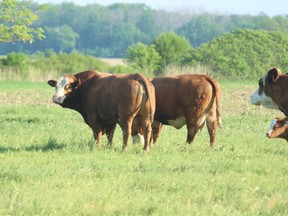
column 104, row 100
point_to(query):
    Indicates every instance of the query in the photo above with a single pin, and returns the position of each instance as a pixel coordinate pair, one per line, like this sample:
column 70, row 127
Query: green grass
column 50, row 165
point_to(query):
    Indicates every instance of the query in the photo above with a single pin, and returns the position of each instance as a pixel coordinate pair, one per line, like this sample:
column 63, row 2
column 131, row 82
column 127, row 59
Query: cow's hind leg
column 147, row 132
column 211, row 122
column 109, row 133
column 126, row 129
column 194, row 123
column 191, row 132
column 156, row 130
column 191, row 129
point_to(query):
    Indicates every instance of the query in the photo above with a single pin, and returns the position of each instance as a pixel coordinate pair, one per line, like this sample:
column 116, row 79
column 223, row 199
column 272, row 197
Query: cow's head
column 64, row 86
column 262, row 95
column 278, row 128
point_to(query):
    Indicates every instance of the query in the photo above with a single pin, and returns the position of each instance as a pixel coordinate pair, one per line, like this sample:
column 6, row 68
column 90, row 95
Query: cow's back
column 176, row 94
column 114, row 94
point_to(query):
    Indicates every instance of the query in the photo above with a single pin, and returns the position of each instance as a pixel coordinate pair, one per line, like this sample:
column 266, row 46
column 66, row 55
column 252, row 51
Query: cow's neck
column 75, row 101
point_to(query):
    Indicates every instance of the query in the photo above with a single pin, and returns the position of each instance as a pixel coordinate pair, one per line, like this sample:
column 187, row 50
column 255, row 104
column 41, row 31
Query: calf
column 104, row 100
column 278, row 129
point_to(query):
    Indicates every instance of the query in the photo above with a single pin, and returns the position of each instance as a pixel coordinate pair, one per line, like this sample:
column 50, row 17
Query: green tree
column 63, row 38
column 202, row 29
column 243, row 53
column 143, row 57
column 172, row 48
column 16, row 18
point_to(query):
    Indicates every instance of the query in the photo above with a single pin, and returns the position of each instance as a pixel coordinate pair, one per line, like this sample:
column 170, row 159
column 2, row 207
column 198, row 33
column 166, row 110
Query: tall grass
column 50, row 166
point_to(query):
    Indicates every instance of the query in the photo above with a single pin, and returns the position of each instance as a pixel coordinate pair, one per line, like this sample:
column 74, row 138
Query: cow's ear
column 75, row 84
column 52, row 83
column 273, row 75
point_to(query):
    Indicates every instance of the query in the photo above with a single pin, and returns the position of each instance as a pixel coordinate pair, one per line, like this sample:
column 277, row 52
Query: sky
column 252, row 7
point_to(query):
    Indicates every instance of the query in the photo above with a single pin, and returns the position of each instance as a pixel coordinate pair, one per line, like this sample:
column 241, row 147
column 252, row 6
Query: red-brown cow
column 104, row 100
column 271, row 92
column 278, row 129
column 187, row 99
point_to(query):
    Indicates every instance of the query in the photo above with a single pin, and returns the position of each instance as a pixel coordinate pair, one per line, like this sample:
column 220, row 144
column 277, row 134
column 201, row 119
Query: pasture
column 50, row 165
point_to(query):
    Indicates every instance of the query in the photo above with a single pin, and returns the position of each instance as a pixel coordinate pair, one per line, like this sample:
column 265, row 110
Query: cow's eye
column 68, row 88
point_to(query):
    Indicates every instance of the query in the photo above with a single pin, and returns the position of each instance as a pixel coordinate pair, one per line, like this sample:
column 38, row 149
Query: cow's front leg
column 95, row 125
column 97, row 137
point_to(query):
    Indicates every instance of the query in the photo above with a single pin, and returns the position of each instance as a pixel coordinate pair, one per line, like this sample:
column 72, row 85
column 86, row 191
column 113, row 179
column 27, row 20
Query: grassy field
column 50, row 166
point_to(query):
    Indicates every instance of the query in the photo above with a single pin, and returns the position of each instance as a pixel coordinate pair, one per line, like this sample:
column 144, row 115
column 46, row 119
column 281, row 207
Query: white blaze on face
column 260, row 98
column 59, row 95
column 273, row 122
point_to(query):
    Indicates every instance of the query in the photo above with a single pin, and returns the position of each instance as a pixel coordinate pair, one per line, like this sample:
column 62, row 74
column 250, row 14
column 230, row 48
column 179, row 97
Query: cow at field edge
column 272, row 91
column 187, row 99
column 104, row 100
column 278, row 129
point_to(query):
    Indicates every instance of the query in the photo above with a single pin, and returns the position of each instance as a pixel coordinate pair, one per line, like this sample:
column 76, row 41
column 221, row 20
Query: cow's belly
column 177, row 123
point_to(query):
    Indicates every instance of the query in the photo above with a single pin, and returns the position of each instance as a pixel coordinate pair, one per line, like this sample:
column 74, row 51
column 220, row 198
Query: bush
column 243, row 54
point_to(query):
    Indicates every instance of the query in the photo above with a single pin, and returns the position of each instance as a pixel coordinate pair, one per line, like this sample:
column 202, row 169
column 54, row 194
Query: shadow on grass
column 52, row 145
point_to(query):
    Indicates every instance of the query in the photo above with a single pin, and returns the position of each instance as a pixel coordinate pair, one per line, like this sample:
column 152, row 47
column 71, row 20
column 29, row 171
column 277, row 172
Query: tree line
column 241, row 54
column 108, row 31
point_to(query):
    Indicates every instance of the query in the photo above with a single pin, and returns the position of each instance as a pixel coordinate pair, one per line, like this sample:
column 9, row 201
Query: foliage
column 120, row 69
column 172, row 49
column 63, row 37
column 16, row 18
column 143, row 57
column 42, row 64
column 68, row 63
column 14, row 59
column 243, row 53
column 108, row 31
column 17, row 61
column 201, row 29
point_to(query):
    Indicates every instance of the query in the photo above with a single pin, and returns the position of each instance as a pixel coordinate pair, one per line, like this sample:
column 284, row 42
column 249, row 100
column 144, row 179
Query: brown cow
column 278, row 129
column 104, row 100
column 271, row 91
column 187, row 99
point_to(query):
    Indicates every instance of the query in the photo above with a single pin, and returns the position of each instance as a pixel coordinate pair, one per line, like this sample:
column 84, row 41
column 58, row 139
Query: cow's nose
column 268, row 134
column 55, row 99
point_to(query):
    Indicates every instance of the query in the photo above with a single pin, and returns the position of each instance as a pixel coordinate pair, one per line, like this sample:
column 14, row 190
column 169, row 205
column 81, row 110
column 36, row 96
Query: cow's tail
column 144, row 82
column 217, row 91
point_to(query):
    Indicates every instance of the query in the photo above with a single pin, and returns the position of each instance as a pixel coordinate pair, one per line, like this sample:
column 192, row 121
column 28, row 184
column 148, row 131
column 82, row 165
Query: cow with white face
column 271, row 92
column 64, row 86
column 278, row 129
column 105, row 100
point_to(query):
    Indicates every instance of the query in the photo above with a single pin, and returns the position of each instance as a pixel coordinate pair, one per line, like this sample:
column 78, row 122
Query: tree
column 16, row 18
column 63, row 38
column 243, row 53
column 143, row 57
column 172, row 48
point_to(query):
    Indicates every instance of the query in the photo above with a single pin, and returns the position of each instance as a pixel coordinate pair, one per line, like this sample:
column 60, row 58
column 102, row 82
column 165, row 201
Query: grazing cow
column 187, row 99
column 271, row 92
column 278, row 129
column 104, row 100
